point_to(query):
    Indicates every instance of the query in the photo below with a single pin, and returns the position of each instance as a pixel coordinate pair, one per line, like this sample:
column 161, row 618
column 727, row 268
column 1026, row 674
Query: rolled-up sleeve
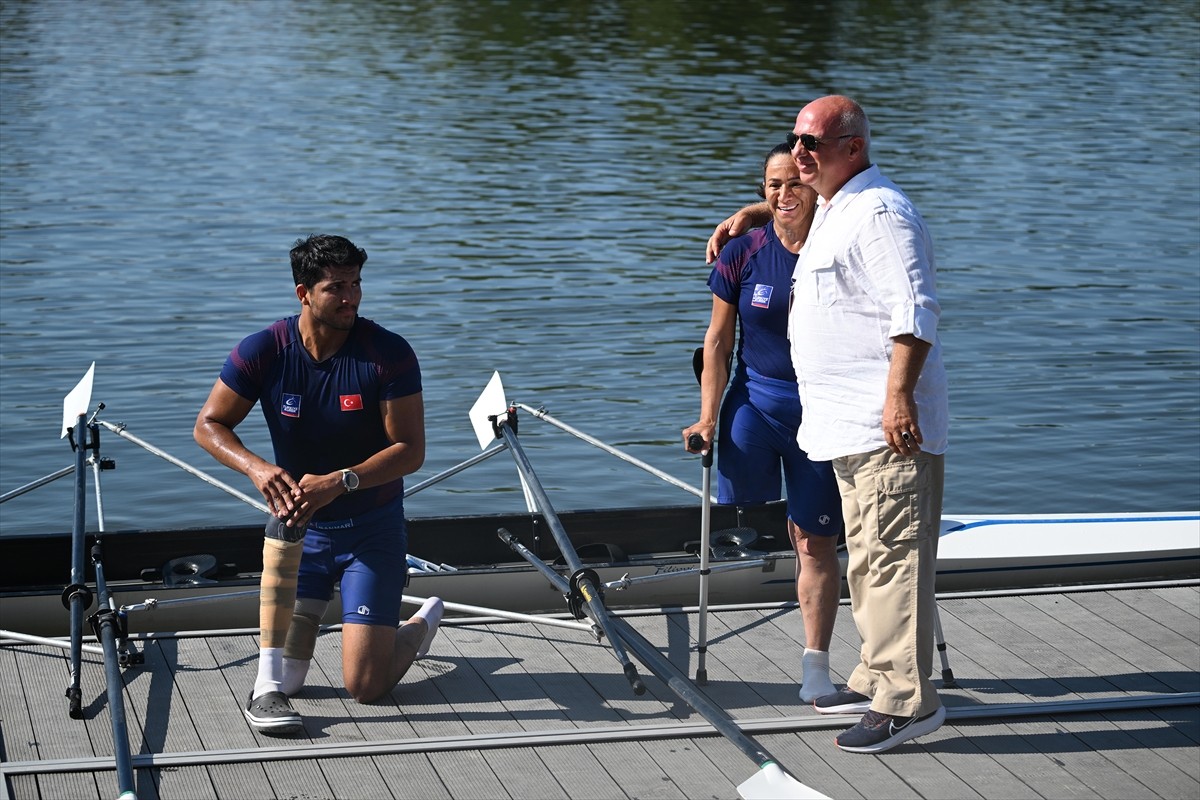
column 894, row 259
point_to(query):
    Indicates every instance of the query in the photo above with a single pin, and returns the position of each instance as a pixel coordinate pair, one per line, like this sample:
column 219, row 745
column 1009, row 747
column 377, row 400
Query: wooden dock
column 1090, row 694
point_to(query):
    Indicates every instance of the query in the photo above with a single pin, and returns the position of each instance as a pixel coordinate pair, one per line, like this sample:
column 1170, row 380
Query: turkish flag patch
column 351, row 402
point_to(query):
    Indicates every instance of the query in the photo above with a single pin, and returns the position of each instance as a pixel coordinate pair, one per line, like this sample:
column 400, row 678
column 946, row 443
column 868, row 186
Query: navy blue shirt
column 325, row 416
column 754, row 273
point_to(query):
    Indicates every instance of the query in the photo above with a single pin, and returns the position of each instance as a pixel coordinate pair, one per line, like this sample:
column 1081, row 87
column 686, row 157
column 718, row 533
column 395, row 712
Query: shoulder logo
column 291, row 405
column 351, row 402
column 762, row 295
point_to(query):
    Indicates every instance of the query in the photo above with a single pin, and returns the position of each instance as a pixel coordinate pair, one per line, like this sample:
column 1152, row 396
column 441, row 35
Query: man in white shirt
column 863, row 335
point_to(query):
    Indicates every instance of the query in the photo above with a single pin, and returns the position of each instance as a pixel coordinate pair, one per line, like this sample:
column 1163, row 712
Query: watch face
column 350, row 480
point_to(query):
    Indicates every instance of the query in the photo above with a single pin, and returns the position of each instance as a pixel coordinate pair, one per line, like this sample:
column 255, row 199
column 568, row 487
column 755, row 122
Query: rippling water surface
column 534, row 184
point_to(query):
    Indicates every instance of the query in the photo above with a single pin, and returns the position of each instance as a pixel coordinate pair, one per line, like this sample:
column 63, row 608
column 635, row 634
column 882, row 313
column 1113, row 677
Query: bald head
column 839, row 129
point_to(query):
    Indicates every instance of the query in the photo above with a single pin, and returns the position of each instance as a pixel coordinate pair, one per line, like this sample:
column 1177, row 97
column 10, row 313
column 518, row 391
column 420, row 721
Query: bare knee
column 368, row 661
column 366, row 691
column 817, row 548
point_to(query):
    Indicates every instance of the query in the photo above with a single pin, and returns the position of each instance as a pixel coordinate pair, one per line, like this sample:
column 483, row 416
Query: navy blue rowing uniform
column 323, row 417
column 756, row 436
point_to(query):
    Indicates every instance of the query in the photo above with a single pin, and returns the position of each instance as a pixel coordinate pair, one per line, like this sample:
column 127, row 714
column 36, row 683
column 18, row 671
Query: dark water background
column 534, row 183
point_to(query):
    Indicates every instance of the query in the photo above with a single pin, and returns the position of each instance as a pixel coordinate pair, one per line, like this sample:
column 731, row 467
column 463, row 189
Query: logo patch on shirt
column 291, row 405
column 351, row 402
column 762, row 296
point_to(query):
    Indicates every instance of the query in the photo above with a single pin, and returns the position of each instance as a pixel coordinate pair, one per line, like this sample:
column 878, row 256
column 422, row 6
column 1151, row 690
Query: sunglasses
column 810, row 142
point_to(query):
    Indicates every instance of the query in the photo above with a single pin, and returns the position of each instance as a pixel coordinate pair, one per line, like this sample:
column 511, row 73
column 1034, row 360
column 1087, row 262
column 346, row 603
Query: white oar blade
column 772, row 783
column 78, row 401
column 491, row 403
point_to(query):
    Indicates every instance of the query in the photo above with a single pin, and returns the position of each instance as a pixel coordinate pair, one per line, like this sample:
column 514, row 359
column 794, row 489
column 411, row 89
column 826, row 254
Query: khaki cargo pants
column 892, row 506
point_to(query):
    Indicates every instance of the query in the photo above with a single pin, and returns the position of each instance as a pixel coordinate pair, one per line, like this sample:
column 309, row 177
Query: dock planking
column 523, row 711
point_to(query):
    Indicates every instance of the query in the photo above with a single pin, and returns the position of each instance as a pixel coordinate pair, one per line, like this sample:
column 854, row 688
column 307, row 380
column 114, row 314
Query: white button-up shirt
column 865, row 275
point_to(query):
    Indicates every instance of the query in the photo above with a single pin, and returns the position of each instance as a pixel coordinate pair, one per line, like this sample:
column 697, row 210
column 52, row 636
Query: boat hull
column 976, row 553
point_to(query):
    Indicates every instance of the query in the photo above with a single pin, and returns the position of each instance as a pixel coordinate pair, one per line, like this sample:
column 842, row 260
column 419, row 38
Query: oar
column 500, row 613
column 84, row 436
column 29, row 487
column 62, row 644
column 592, row 440
column 107, row 629
column 77, row 597
column 583, row 589
column 119, row 430
column 695, row 442
column 770, row 781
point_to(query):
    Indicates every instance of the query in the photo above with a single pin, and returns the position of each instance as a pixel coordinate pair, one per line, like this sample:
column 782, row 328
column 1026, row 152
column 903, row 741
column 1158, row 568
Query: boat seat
column 729, row 543
column 190, row 571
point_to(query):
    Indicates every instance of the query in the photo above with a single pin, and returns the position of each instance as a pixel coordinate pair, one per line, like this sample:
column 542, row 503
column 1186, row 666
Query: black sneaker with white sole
column 877, row 732
column 272, row 714
column 843, row 701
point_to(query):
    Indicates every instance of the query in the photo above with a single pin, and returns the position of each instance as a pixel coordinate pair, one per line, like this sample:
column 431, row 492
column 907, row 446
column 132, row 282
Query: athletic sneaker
column 843, row 701
column 877, row 732
column 272, row 714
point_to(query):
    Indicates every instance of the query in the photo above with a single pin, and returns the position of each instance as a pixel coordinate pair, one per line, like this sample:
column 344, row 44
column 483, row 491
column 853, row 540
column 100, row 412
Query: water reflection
column 535, row 182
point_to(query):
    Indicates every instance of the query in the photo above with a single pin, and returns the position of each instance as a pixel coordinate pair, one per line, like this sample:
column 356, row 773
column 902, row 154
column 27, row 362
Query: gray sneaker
column 843, row 701
column 877, row 732
column 272, row 714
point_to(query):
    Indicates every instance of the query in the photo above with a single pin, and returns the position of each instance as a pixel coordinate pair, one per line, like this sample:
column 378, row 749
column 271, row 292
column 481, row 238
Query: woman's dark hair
column 777, row 150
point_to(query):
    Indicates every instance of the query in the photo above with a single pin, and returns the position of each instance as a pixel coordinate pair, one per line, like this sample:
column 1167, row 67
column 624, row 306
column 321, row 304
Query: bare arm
column 899, row 405
column 294, row 501
column 222, row 412
column 718, row 344
column 404, row 421
column 749, row 217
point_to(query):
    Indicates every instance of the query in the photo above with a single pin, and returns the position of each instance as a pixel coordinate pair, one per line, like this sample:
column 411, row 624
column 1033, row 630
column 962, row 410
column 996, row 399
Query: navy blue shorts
column 368, row 554
column 757, row 454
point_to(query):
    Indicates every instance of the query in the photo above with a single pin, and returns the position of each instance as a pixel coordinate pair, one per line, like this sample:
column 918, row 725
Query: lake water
column 535, row 182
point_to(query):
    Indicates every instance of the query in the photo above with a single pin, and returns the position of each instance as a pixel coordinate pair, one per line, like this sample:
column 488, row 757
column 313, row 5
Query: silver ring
column 906, row 436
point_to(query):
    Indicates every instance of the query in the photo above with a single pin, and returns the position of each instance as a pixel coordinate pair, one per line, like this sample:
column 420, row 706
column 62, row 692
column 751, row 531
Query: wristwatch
column 349, row 480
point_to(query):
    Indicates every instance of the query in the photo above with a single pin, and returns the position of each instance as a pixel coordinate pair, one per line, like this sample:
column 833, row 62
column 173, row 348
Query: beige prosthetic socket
column 277, row 593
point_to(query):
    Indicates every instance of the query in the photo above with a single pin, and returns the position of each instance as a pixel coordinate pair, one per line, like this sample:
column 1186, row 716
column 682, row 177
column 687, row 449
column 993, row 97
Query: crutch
column 695, row 442
column 940, row 642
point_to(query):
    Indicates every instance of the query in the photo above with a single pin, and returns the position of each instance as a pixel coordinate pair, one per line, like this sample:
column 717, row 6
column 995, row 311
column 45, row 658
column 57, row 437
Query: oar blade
column 772, row 783
column 78, row 400
column 491, row 402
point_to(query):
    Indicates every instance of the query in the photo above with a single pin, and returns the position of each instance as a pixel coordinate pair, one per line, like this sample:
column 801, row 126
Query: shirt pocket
column 820, row 278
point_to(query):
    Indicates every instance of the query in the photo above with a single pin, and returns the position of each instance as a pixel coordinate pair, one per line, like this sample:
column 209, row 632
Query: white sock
column 270, row 671
column 815, row 681
column 431, row 612
column 295, row 670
